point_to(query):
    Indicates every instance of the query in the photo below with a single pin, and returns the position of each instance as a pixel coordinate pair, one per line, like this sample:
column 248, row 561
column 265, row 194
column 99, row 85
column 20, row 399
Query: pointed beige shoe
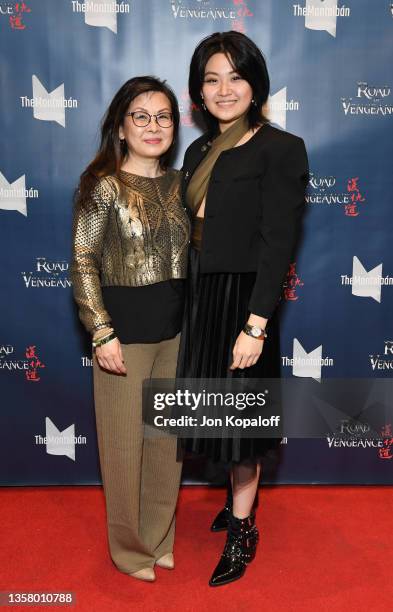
column 147, row 574
column 166, row 562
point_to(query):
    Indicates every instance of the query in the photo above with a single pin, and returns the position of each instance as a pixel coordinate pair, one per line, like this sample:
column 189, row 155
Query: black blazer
column 254, row 204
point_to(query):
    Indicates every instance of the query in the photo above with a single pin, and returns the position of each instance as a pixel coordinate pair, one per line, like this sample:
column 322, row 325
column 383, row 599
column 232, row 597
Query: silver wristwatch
column 254, row 331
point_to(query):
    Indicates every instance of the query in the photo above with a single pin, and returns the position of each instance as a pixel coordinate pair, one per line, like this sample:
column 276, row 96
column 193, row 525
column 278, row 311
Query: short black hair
column 247, row 60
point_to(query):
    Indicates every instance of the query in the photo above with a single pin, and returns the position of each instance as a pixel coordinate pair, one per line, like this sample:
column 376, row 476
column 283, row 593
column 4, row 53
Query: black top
column 147, row 314
column 254, row 204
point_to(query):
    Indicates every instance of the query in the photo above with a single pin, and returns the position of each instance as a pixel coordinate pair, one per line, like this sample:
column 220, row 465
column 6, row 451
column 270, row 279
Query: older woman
column 131, row 237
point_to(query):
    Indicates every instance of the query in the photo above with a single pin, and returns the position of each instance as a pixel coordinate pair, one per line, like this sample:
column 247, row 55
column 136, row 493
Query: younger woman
column 244, row 182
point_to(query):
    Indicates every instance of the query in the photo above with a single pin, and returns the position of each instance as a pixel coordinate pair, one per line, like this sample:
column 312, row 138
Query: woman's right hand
column 110, row 357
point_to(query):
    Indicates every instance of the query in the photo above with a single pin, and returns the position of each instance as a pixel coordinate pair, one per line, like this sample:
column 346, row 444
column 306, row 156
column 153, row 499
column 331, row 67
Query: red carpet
column 322, row 548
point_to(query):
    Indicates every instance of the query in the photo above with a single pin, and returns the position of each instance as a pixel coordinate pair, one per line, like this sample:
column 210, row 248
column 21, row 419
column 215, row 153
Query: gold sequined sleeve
column 89, row 226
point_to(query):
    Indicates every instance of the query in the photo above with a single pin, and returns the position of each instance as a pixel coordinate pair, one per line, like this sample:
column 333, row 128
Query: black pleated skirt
column 216, row 309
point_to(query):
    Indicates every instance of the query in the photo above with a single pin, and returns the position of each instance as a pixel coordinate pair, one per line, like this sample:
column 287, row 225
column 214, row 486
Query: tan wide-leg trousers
column 140, row 475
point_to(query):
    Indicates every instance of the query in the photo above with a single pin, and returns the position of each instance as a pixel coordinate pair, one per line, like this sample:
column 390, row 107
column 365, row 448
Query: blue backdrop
column 331, row 83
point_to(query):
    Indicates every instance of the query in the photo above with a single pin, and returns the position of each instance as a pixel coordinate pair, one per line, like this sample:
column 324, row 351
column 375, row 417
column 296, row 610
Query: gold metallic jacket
column 132, row 232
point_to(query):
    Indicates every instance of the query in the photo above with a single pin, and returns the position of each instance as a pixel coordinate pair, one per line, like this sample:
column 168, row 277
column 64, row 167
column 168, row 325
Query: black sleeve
column 283, row 199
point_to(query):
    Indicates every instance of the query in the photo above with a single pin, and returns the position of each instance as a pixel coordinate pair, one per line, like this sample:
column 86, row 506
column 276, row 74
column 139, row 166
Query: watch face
column 256, row 331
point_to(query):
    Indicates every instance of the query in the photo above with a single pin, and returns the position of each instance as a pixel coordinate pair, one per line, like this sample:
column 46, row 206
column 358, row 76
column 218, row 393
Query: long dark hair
column 245, row 58
column 112, row 152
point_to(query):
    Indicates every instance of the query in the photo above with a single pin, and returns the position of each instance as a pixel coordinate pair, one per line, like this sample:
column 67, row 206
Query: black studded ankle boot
column 220, row 523
column 239, row 550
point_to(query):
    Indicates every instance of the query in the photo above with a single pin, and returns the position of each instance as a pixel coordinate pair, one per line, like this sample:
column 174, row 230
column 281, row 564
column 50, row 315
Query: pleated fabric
column 216, row 309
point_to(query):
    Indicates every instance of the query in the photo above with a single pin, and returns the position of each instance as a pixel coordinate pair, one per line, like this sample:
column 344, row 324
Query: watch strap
column 250, row 331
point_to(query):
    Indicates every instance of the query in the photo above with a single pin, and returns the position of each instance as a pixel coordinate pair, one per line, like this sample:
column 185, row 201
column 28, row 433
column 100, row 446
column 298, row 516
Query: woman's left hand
column 246, row 351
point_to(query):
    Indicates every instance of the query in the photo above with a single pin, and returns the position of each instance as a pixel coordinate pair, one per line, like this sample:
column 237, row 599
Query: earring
column 204, row 106
column 253, row 102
